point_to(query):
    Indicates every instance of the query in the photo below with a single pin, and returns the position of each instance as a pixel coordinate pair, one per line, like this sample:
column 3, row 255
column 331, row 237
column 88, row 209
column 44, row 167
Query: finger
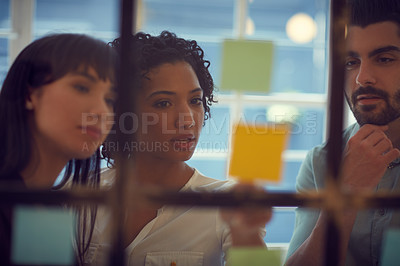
column 367, row 130
column 383, row 146
column 391, row 155
column 375, row 138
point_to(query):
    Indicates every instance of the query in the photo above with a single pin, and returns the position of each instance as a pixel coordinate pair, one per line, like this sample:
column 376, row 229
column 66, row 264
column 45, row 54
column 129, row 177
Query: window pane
column 270, row 16
column 96, row 17
column 288, row 181
column 307, row 125
column 3, row 58
column 212, row 53
column 215, row 168
column 215, row 133
column 5, row 25
column 192, row 17
column 5, row 22
column 297, row 70
column 280, row 228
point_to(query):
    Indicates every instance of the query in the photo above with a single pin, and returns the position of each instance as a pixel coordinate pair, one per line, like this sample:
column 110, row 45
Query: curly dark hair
column 152, row 51
column 149, row 52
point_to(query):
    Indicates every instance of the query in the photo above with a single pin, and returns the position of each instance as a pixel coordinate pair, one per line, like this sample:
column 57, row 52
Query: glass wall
column 298, row 85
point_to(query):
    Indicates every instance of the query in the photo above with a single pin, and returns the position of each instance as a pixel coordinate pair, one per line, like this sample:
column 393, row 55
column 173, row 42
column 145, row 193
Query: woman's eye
column 197, row 101
column 81, row 88
column 110, row 101
column 162, row 104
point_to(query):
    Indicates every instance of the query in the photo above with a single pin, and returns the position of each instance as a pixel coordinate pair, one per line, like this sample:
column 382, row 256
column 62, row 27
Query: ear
column 28, row 104
column 28, row 100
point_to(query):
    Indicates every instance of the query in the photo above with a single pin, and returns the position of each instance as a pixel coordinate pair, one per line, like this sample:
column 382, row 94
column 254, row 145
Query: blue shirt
column 368, row 231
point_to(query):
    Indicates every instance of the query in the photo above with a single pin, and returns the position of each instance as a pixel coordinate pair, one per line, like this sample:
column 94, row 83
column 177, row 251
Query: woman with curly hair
column 172, row 102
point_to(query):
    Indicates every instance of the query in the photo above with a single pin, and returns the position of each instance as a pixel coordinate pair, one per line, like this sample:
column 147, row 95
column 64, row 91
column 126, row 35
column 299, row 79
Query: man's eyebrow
column 385, row 49
column 353, row 54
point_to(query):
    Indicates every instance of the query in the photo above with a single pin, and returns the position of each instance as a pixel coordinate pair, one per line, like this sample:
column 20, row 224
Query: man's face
column 373, row 72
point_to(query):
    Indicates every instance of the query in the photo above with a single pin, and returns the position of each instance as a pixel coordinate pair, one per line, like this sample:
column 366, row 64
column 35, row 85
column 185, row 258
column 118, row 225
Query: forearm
column 312, row 251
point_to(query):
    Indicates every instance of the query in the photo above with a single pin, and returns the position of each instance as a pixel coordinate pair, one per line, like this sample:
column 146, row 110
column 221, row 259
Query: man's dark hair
column 366, row 12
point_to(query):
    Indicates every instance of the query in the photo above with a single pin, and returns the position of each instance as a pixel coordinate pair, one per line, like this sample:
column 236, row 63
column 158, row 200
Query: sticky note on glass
column 246, row 65
column 257, row 152
column 254, row 257
column 42, row 236
column 390, row 249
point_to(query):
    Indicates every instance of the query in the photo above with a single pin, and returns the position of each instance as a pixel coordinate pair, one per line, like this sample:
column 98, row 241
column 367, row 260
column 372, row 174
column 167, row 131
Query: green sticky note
column 42, row 236
column 390, row 249
column 254, row 257
column 246, row 65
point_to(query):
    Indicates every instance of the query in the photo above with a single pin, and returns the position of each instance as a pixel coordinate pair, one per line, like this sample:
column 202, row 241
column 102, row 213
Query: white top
column 184, row 235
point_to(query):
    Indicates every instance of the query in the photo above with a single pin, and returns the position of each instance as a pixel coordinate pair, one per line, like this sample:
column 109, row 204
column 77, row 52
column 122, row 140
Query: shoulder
column 347, row 134
column 318, row 153
column 312, row 171
column 201, row 183
column 107, row 177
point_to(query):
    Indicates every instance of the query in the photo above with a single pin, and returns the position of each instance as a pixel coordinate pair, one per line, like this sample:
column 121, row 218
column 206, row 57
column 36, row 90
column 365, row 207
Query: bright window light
column 301, row 28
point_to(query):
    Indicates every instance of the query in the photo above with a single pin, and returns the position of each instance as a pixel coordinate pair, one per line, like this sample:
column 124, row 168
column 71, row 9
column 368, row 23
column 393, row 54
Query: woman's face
column 72, row 116
column 170, row 113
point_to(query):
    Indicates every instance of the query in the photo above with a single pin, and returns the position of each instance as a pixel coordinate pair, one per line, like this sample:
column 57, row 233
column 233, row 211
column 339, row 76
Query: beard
column 365, row 114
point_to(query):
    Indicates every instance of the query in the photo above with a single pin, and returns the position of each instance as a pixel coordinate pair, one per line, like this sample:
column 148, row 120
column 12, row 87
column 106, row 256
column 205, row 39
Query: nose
column 365, row 76
column 100, row 111
column 100, row 106
column 185, row 118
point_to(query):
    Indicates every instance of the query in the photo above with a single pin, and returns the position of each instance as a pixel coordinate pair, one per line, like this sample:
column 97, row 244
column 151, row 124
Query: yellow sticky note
column 254, row 257
column 257, row 152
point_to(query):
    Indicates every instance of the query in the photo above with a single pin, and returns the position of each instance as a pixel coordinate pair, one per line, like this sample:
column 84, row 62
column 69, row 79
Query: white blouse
column 176, row 236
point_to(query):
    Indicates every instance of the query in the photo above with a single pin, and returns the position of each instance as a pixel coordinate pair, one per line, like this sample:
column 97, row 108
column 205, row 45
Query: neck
column 42, row 169
column 173, row 175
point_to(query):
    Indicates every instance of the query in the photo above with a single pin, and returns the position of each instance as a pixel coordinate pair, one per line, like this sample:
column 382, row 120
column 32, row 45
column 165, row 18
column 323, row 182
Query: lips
column 184, row 142
column 369, row 96
column 92, row 131
column 368, row 99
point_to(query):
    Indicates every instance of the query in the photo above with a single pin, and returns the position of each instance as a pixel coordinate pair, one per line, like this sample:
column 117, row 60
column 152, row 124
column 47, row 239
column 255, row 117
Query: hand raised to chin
column 366, row 157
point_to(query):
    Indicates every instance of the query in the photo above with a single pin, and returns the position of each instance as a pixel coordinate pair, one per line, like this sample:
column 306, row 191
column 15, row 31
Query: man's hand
column 366, row 157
